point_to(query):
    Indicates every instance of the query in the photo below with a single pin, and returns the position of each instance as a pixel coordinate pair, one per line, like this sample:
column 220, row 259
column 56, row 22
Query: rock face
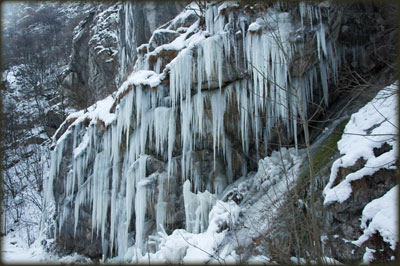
column 94, row 63
column 359, row 182
column 209, row 95
column 345, row 222
column 104, row 47
column 138, row 20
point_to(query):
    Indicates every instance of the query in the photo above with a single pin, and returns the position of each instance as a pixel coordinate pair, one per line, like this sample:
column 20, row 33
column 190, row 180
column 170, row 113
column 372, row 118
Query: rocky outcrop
column 138, row 21
column 345, row 223
column 361, row 183
column 94, row 61
column 104, row 47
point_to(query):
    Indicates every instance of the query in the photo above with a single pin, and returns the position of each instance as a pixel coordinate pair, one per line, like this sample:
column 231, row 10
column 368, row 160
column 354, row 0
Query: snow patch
column 369, row 128
column 182, row 246
column 254, row 27
column 380, row 215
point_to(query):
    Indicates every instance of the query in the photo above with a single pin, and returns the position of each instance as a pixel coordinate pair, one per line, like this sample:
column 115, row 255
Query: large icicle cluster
column 177, row 104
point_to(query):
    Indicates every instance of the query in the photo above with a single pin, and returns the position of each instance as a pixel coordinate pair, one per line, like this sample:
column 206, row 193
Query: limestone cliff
column 211, row 93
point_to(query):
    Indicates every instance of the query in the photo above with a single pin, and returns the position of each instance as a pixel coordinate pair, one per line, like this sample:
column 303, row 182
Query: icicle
column 199, row 112
column 161, row 208
column 324, row 80
column 171, row 141
column 186, row 136
column 157, row 68
column 243, row 109
column 209, row 46
column 197, row 208
column 322, row 36
column 81, row 198
column 189, row 202
column 161, row 127
column 126, row 115
column 181, row 77
column 228, row 159
column 140, row 202
column 218, row 105
column 56, row 158
column 321, row 42
column 115, row 183
column 130, row 191
column 210, row 17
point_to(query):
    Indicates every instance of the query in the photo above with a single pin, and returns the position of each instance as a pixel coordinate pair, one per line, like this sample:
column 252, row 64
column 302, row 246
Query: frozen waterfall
column 173, row 109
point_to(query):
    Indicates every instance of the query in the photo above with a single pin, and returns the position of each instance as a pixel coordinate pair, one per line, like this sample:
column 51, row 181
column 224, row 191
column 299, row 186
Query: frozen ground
column 15, row 250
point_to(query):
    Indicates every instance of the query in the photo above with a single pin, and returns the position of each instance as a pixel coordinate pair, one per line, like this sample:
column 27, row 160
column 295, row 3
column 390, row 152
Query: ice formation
column 147, row 116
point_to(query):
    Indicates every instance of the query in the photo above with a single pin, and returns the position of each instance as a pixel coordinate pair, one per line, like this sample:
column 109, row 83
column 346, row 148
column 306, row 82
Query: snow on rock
column 276, row 175
column 369, row 128
column 82, row 146
column 11, row 79
column 184, row 247
column 260, row 259
column 141, row 78
column 228, row 4
column 103, row 36
column 190, row 10
column 75, row 258
column 380, row 215
column 254, row 27
column 205, row 245
column 100, row 111
column 283, row 164
column 368, row 256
